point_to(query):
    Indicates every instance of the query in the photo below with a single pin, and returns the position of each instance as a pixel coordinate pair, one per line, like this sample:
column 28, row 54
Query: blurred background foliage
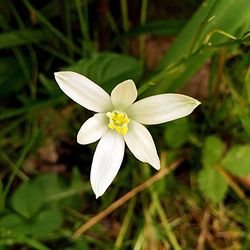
column 185, row 46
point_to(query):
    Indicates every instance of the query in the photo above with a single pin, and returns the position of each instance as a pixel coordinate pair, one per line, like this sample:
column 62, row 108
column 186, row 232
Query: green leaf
column 33, row 106
column 11, row 76
column 237, row 160
column 14, row 222
column 247, row 84
column 77, row 187
column 27, row 199
column 212, row 184
column 53, row 189
column 80, row 244
column 49, row 84
column 108, row 69
column 76, row 178
column 221, row 113
column 223, row 17
column 2, row 198
column 212, row 151
column 44, row 223
column 245, row 119
column 9, row 238
column 212, row 15
column 177, row 133
column 21, row 37
column 49, row 184
column 246, row 38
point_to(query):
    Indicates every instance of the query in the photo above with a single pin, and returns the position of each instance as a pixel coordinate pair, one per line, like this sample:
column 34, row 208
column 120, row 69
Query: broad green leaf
column 54, row 190
column 212, row 151
column 237, row 160
column 212, row 15
column 170, row 78
column 14, row 222
column 21, row 37
column 177, row 133
column 27, row 199
column 10, row 238
column 108, row 69
column 49, row 184
column 182, row 45
column 46, row 222
column 212, row 184
column 218, row 15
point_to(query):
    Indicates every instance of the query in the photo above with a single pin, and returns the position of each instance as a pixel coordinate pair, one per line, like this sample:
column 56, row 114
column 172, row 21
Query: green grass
column 45, row 193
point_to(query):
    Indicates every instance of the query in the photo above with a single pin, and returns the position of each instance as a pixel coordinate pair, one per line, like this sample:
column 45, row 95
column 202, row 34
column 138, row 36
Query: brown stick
column 204, row 230
column 163, row 172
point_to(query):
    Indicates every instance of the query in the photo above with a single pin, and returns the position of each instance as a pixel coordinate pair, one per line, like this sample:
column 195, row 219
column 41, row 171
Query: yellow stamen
column 118, row 121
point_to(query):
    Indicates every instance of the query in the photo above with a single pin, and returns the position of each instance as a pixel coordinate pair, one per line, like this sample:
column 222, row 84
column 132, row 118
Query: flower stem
column 169, row 233
column 124, row 9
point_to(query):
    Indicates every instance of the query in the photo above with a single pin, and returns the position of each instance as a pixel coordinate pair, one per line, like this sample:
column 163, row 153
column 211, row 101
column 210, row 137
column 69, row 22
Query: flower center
column 118, row 121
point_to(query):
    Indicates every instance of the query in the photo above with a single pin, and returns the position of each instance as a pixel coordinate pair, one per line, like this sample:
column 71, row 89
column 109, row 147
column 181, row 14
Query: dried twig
column 204, row 230
column 163, row 172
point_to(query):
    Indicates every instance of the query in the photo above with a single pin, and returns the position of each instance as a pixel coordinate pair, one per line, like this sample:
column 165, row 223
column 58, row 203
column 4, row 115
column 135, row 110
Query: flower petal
column 107, row 161
column 141, row 144
column 93, row 129
column 162, row 108
column 123, row 95
column 83, row 91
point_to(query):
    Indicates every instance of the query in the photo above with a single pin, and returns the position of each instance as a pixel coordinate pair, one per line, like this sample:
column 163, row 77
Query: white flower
column 118, row 121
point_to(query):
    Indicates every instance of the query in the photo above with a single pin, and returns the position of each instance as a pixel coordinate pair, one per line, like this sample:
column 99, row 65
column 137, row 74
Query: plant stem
column 142, row 37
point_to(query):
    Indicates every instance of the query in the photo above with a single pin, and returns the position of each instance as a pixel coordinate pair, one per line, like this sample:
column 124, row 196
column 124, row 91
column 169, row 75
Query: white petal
column 123, row 95
column 93, row 129
column 107, row 161
column 141, row 144
column 83, row 91
column 162, row 108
